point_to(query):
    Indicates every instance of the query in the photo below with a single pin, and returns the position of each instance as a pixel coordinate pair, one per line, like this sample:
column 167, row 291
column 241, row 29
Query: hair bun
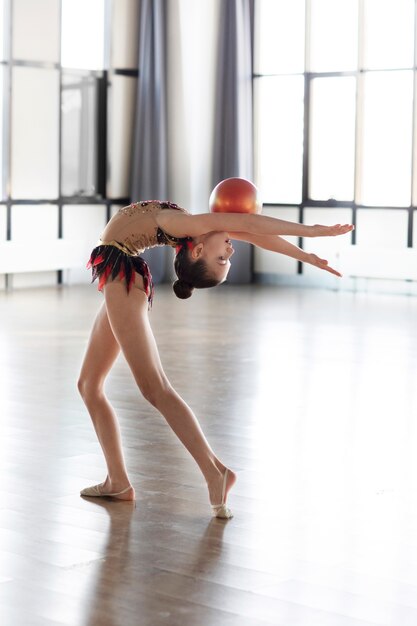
column 182, row 289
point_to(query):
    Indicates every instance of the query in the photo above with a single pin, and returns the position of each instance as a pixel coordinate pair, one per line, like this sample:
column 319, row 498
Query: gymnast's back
column 135, row 227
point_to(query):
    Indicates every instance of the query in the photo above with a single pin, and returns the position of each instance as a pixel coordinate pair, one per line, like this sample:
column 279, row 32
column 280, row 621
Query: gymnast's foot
column 115, row 490
column 219, row 486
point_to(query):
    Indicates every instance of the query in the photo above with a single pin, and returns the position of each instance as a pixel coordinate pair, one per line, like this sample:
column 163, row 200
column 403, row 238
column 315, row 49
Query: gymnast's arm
column 277, row 244
column 183, row 225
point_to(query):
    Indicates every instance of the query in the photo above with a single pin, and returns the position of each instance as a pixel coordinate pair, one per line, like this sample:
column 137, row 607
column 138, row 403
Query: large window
column 335, row 114
column 66, row 111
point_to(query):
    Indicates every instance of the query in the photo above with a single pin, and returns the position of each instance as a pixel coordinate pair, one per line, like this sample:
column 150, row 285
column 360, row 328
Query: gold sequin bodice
column 133, row 228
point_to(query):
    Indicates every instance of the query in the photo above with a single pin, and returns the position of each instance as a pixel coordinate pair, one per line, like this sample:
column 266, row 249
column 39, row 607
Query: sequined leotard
column 130, row 232
column 134, row 227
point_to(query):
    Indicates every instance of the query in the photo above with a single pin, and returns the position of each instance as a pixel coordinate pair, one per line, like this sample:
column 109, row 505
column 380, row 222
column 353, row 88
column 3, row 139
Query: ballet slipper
column 95, row 492
column 221, row 510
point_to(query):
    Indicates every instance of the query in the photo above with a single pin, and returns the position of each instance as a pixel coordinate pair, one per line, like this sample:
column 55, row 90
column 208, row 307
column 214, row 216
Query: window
column 334, row 105
column 83, row 23
column 280, row 137
column 60, row 94
column 332, row 138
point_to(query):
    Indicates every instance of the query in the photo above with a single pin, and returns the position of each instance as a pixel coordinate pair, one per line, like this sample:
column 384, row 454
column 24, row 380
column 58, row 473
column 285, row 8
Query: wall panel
column 36, row 27
column 35, row 133
column 124, row 48
column 82, row 225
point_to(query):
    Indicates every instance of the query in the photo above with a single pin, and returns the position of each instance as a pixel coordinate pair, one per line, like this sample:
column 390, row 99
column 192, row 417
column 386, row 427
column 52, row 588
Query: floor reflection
column 129, row 563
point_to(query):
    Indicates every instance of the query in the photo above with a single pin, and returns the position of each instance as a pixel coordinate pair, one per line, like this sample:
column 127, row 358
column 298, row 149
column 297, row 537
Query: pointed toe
column 221, row 510
column 91, row 491
column 95, row 492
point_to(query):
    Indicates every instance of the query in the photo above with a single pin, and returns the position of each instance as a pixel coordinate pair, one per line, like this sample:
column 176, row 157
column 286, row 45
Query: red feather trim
column 98, row 260
column 104, row 277
column 131, row 282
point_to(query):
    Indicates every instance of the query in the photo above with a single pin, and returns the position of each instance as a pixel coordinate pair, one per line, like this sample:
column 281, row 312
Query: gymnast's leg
column 128, row 317
column 102, row 351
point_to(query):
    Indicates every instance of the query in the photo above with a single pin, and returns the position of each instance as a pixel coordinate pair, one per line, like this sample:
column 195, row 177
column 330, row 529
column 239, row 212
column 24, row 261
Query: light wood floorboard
column 310, row 396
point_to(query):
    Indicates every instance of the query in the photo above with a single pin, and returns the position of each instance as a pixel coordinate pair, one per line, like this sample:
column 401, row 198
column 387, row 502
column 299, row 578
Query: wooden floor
column 310, row 396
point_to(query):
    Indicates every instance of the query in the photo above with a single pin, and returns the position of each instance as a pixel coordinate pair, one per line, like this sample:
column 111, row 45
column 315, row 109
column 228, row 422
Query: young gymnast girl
column 203, row 251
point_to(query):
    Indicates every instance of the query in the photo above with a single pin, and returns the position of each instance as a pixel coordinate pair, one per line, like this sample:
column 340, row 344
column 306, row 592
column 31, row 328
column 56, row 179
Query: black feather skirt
column 108, row 262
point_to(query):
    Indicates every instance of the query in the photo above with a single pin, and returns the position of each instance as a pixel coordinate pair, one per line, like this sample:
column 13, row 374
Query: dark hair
column 191, row 274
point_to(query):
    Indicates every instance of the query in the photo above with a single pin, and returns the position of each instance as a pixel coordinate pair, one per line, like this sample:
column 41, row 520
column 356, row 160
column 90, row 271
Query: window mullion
column 306, row 139
column 414, row 143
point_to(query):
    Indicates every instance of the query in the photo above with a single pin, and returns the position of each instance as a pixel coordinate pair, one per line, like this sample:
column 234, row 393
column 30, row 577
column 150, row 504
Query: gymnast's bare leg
column 123, row 323
column 102, row 351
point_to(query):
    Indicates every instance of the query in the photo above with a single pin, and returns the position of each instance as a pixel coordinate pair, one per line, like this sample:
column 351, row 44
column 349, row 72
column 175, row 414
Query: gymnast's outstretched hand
column 322, row 264
column 330, row 231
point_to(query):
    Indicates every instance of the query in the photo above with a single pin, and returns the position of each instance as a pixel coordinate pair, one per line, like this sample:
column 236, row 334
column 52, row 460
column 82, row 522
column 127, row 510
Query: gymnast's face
column 215, row 249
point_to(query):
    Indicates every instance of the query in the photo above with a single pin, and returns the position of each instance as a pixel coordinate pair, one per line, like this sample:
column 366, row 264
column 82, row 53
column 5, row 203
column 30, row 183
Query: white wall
column 82, row 226
column 26, row 220
column 124, row 41
column 191, row 92
column 124, row 50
